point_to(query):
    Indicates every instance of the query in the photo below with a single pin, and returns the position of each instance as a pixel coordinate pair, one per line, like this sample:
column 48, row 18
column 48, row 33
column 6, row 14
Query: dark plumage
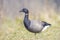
column 33, row 25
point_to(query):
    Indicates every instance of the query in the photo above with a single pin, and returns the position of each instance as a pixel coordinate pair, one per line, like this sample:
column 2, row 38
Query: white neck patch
column 26, row 14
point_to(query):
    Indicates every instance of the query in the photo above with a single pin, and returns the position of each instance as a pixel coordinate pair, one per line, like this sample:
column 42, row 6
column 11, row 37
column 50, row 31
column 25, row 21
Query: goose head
column 25, row 10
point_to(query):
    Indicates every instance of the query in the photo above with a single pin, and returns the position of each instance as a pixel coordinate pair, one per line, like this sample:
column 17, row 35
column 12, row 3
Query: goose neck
column 26, row 17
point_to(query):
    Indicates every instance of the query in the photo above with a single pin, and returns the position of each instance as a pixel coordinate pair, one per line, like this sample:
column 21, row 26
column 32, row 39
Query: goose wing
column 35, row 26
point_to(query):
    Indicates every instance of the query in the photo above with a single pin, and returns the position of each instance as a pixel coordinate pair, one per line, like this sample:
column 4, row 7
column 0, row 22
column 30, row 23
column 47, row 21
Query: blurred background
column 11, row 21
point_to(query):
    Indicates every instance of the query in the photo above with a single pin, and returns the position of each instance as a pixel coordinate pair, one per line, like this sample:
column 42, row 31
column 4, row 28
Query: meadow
column 15, row 30
column 11, row 21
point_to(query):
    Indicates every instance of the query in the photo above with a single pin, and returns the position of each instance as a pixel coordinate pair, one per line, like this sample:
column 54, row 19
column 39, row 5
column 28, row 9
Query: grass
column 15, row 30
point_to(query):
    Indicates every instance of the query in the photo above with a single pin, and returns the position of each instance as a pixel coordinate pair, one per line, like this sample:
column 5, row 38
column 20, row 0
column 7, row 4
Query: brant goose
column 33, row 26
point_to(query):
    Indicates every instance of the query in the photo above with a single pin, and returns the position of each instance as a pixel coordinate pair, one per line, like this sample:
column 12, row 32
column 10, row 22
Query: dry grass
column 15, row 30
